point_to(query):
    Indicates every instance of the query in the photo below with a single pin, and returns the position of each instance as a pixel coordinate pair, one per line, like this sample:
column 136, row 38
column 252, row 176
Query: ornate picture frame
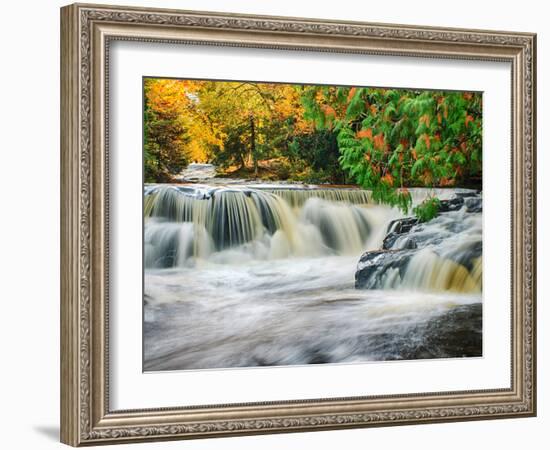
column 86, row 34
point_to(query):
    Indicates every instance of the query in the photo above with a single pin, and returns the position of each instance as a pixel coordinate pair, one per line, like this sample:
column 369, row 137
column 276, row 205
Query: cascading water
column 184, row 225
column 276, row 275
column 444, row 254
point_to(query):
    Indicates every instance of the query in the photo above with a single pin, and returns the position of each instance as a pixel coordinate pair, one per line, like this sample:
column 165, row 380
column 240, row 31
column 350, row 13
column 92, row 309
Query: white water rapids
column 245, row 276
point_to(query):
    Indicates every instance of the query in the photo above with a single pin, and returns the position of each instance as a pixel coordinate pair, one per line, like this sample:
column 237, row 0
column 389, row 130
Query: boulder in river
column 444, row 253
column 456, row 333
column 453, row 204
column 375, row 267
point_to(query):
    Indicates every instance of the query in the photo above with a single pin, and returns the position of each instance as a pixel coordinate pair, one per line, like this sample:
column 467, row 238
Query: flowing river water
column 265, row 275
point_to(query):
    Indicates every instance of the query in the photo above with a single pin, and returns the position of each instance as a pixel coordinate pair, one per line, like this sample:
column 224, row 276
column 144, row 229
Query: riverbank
column 273, row 171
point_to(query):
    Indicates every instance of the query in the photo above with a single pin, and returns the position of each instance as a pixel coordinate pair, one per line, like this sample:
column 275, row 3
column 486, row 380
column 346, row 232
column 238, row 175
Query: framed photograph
column 275, row 224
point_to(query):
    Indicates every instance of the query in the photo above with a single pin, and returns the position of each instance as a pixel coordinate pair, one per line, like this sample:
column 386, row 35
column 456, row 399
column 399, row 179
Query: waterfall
column 437, row 273
column 186, row 223
column 444, row 254
column 169, row 244
column 243, row 275
column 343, row 227
column 297, row 197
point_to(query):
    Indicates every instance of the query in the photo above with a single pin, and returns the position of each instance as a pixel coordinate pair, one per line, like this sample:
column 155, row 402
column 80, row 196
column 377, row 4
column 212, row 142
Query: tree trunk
column 253, row 145
column 241, row 159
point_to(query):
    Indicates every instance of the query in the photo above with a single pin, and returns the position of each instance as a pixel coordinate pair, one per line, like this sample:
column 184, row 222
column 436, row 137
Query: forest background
column 381, row 139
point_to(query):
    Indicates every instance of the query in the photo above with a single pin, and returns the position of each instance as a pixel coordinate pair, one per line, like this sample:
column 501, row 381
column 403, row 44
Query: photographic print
column 294, row 224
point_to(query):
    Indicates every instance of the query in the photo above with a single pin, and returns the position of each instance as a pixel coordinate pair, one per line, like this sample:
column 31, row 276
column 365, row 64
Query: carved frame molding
column 86, row 31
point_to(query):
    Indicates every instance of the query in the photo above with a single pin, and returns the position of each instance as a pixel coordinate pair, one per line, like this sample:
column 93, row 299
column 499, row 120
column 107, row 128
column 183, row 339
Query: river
column 265, row 275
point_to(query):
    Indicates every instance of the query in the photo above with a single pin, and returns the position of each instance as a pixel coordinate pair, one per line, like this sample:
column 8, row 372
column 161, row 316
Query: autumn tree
column 234, row 124
column 257, row 119
column 385, row 140
column 164, row 132
column 392, row 139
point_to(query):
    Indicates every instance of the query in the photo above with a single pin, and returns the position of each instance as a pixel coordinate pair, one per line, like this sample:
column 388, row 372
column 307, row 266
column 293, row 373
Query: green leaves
column 390, row 138
column 356, row 105
column 428, row 209
column 417, row 167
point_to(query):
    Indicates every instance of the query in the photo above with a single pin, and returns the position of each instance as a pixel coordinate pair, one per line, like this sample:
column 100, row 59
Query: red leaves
column 425, row 119
column 379, row 141
column 330, row 115
column 427, row 141
column 365, row 133
column 395, row 133
column 387, row 179
column 446, row 182
column 328, row 110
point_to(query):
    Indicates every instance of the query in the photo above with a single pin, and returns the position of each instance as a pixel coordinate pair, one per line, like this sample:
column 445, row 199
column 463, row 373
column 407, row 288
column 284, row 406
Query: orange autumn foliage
column 379, row 141
column 328, row 110
column 365, row 133
column 388, row 179
column 427, row 141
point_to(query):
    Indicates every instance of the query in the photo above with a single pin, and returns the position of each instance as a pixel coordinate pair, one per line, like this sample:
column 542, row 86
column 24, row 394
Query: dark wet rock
column 405, row 243
column 373, row 266
column 318, row 357
column 406, row 236
column 457, row 333
column 467, row 194
column 471, row 200
column 389, row 240
column 453, row 204
column 474, row 205
column 404, row 225
column 408, row 243
column 468, row 254
column 454, row 334
column 398, row 227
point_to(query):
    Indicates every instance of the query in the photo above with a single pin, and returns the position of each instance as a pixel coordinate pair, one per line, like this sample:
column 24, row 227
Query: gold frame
column 86, row 31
